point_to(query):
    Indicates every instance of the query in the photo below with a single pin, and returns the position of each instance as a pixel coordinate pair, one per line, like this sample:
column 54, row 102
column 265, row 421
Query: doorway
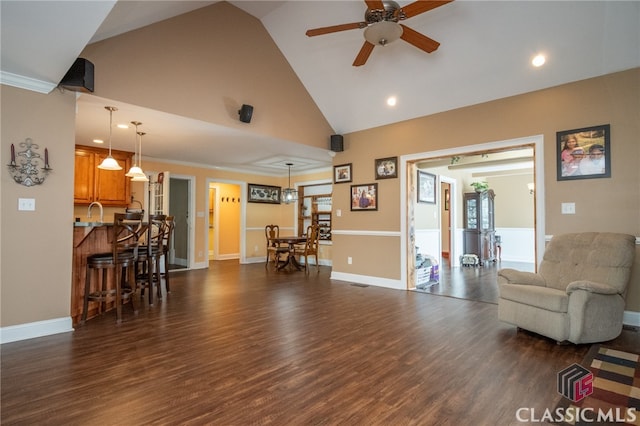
column 179, row 208
column 408, row 167
column 224, row 230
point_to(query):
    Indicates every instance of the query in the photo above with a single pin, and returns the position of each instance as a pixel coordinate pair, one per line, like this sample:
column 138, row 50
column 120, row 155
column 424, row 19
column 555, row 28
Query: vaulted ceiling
column 485, row 54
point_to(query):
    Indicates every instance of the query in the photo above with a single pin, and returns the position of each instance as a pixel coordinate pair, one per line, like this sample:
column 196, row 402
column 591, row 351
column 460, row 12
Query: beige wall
column 611, row 204
column 35, row 270
column 205, row 65
column 257, row 214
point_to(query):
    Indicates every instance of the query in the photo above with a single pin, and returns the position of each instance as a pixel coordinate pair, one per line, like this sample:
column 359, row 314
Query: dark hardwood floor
column 472, row 283
column 236, row 345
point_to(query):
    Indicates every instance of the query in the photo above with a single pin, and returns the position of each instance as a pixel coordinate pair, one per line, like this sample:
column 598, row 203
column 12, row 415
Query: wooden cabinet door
column 84, row 183
column 113, row 188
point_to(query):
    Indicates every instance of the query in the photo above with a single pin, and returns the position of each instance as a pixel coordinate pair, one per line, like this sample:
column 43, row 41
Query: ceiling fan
column 382, row 27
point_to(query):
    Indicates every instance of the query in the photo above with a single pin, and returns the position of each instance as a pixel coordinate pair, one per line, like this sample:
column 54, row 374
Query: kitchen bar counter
column 88, row 238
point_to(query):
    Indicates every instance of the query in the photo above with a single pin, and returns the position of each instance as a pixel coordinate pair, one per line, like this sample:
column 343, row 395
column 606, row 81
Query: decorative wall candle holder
column 30, row 169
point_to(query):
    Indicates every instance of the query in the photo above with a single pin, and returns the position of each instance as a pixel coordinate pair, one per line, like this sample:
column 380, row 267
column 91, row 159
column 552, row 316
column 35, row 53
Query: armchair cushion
column 546, row 298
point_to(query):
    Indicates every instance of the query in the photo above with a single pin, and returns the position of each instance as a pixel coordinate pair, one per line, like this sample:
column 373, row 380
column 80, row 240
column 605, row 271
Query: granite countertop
column 90, row 224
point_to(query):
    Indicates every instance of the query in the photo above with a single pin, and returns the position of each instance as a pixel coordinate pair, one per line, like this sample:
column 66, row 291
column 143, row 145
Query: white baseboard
column 368, row 280
column 229, row 256
column 14, row 333
column 631, row 318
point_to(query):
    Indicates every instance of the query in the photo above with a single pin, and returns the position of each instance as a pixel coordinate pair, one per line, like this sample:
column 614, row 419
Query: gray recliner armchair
column 578, row 293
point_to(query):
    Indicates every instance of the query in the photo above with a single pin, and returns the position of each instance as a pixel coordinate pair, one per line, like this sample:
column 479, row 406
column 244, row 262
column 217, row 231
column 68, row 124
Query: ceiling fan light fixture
column 383, row 32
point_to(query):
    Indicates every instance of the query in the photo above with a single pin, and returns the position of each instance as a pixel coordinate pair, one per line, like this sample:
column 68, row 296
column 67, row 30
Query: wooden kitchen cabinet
column 109, row 187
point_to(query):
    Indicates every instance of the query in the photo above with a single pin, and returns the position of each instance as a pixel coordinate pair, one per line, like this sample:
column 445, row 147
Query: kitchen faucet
column 101, row 210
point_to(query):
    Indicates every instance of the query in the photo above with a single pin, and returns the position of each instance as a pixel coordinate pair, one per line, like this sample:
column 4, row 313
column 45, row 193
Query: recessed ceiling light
column 98, row 141
column 123, row 126
column 391, row 101
column 538, row 60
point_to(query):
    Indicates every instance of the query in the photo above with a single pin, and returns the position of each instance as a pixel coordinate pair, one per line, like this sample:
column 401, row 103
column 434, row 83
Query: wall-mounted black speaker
column 245, row 113
column 79, row 78
column 337, row 143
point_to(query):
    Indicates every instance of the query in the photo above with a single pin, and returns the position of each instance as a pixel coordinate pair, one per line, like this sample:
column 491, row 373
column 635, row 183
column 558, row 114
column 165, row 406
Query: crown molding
column 26, row 83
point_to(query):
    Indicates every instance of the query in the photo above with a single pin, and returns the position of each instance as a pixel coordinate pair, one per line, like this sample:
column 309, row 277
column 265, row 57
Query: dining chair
column 274, row 249
column 310, row 247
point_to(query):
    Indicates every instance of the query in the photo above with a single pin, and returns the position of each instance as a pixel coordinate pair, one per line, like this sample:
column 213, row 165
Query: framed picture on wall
column 342, row 173
column 426, row 187
column 364, row 197
column 584, row 153
column 386, row 168
column 446, row 198
column 263, row 194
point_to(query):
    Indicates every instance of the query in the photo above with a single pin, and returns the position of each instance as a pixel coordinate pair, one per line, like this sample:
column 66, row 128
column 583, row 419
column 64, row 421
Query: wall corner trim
column 14, row 333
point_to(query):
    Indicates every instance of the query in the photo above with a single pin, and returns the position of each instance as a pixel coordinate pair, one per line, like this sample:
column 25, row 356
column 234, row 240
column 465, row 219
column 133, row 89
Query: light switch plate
column 568, row 208
column 27, row 204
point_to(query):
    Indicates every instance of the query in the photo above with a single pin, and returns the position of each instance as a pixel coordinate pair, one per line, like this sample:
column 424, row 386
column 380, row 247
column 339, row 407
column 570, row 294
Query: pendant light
column 135, row 170
column 110, row 163
column 140, row 176
column 289, row 195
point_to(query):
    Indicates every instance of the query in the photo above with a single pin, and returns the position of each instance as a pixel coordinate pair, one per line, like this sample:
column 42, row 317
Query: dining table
column 291, row 258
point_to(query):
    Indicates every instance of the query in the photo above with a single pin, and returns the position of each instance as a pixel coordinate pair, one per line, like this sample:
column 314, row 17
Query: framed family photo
column 426, row 187
column 342, row 173
column 584, row 153
column 364, row 197
column 386, row 168
column 263, row 194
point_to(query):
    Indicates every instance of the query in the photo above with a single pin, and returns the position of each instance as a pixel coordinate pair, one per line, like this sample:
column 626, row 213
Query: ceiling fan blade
column 418, row 40
column 422, row 6
column 335, row 28
column 363, row 55
column 374, row 4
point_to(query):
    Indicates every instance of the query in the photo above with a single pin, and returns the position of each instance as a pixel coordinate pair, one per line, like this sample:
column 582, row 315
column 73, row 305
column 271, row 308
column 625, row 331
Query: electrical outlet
column 27, row 204
column 349, row 260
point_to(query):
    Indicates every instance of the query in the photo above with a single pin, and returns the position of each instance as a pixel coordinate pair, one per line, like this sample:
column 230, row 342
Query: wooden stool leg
column 132, row 280
column 102, row 305
column 116, row 277
column 166, row 272
column 158, row 276
column 85, row 306
column 149, row 267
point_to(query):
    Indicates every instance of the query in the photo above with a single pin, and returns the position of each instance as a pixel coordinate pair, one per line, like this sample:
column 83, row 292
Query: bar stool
column 127, row 228
column 166, row 246
column 147, row 266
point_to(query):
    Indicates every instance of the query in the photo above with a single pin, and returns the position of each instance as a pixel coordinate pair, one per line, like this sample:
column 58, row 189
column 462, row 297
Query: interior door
column 179, row 208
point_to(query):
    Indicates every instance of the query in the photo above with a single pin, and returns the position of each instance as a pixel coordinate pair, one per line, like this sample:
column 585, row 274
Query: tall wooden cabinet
column 479, row 225
column 109, row 187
